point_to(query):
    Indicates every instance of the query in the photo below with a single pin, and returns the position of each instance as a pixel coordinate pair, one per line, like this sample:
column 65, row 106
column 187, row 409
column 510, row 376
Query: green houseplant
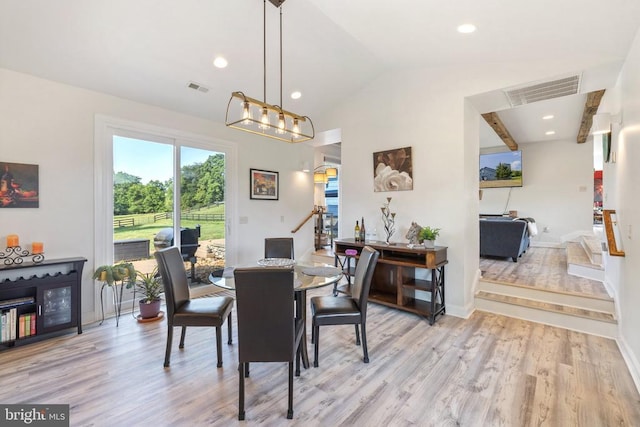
column 121, row 273
column 428, row 236
column 151, row 287
column 115, row 276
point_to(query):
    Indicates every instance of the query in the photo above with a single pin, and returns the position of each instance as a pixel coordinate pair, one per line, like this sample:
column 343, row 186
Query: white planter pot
column 429, row 244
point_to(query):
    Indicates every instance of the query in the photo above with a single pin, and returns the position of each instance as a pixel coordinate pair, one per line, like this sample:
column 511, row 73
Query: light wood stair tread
column 577, row 255
column 593, row 244
column 557, row 308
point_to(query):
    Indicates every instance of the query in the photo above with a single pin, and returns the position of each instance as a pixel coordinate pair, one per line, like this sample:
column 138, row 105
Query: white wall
column 557, row 189
column 427, row 110
column 621, row 184
column 52, row 125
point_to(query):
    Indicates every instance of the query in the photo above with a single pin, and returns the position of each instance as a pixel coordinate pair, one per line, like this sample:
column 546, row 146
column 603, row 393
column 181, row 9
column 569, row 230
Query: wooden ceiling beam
column 590, row 108
column 500, row 129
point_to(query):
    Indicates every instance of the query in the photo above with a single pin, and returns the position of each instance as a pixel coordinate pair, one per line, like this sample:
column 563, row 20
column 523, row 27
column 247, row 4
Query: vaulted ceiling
column 150, row 50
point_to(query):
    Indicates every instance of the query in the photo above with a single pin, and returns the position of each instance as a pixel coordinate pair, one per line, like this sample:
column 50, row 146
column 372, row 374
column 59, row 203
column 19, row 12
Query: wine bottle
column 356, row 232
column 363, row 235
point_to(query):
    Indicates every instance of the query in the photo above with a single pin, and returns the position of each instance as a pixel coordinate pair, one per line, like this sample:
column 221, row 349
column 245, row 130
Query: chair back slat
column 265, row 309
column 363, row 276
column 278, row 247
column 174, row 277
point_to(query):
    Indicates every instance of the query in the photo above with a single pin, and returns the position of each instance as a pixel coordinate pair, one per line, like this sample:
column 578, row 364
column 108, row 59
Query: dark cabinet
column 42, row 302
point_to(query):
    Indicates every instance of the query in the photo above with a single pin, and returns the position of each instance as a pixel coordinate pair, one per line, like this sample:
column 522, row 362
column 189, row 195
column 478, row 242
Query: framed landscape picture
column 393, row 170
column 19, row 185
column 264, row 184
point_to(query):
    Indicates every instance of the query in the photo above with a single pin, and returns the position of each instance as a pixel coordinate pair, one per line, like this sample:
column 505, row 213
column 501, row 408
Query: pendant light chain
column 264, row 52
column 281, row 56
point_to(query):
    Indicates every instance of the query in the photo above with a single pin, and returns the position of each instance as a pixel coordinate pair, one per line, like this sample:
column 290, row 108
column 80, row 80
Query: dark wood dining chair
column 268, row 330
column 347, row 310
column 278, row 247
column 182, row 310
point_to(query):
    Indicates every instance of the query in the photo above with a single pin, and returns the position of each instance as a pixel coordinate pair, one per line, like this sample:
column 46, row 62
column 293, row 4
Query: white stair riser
column 574, row 323
column 586, row 272
column 579, row 301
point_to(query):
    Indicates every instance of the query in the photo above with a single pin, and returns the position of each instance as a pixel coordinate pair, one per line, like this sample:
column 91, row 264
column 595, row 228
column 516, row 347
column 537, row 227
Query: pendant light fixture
column 322, row 173
column 259, row 117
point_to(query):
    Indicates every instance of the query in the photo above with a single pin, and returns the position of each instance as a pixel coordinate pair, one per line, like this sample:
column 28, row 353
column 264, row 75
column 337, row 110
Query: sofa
column 503, row 237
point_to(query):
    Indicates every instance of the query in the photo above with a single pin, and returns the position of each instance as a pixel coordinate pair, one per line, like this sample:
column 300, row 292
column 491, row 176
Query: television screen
column 501, row 169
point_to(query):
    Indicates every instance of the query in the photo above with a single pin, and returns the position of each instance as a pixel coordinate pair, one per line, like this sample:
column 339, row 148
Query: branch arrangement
column 388, row 219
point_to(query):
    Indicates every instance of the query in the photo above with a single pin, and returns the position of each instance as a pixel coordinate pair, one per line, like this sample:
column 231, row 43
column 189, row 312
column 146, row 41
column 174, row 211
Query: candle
column 37, row 247
column 12, row 240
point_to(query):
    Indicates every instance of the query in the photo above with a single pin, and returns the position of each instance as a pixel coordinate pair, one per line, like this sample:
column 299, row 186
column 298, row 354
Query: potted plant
column 121, row 274
column 428, row 236
column 116, row 274
column 151, row 287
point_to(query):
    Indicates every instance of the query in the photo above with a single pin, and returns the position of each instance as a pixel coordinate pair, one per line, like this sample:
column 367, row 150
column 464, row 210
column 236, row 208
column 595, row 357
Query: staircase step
column 324, row 256
column 593, row 247
column 579, row 264
column 564, row 316
column 589, row 302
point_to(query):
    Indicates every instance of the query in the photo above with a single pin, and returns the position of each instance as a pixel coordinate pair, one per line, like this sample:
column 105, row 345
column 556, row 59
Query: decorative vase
column 429, row 244
column 149, row 310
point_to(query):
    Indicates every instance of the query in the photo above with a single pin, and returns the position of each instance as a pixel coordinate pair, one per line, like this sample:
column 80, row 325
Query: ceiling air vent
column 543, row 91
column 198, row 87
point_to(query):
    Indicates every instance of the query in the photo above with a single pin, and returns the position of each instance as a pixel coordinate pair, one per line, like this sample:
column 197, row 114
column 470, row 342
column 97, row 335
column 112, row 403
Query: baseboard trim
column 630, row 359
column 553, row 245
column 463, row 312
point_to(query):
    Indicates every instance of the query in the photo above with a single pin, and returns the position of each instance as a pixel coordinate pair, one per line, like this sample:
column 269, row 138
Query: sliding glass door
column 157, row 191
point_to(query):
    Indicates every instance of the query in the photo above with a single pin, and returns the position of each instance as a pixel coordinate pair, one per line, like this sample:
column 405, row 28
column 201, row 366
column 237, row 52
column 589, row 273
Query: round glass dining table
column 307, row 275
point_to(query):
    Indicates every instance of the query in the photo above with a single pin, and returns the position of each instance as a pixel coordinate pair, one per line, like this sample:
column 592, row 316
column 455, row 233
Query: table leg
column 301, row 313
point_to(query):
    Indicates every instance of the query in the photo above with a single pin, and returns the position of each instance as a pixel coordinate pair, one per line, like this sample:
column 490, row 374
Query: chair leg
column 167, row 352
column 290, row 410
column 241, row 391
column 316, row 334
column 298, row 350
column 230, row 330
column 357, row 335
column 364, row 343
column 246, row 369
column 182, row 334
column 219, row 345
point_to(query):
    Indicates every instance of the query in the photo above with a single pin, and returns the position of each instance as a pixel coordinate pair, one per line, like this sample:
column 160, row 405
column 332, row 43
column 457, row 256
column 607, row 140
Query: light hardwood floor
column 488, row 370
column 542, row 268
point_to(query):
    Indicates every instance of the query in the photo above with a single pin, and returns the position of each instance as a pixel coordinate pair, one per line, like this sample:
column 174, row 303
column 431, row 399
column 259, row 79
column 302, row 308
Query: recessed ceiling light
column 547, row 117
column 466, row 28
column 550, row 132
column 295, row 95
column 220, row 62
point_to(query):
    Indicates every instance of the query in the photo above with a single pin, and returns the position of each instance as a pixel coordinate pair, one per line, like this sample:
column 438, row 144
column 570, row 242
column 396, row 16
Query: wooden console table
column 394, row 281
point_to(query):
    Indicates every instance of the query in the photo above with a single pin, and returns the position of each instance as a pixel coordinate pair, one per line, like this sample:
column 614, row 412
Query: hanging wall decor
column 264, row 184
column 392, row 170
column 18, row 185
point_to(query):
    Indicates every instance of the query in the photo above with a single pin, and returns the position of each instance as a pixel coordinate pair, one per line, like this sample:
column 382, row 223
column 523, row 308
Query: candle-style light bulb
column 280, row 122
column 264, row 119
column 296, row 129
column 246, row 113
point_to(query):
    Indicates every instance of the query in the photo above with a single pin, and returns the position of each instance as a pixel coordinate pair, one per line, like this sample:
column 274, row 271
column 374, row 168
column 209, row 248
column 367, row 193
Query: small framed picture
column 264, row 184
column 19, row 185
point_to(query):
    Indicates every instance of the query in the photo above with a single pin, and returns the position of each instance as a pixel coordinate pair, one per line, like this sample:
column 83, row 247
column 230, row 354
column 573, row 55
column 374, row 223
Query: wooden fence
column 124, row 222
column 187, row 215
